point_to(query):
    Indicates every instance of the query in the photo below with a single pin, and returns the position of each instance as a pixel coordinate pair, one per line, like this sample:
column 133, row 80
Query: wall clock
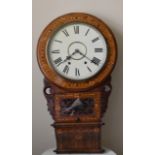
column 76, row 54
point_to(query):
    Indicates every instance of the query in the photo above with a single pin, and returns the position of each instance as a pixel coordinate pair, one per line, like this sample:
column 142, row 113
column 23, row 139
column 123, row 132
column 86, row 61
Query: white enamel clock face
column 77, row 51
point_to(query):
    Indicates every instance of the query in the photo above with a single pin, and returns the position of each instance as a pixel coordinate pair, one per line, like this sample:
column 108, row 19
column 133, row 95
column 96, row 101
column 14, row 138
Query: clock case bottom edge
column 81, row 152
column 78, row 137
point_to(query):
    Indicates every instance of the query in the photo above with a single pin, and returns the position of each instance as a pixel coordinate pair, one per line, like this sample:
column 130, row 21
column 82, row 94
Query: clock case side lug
column 49, row 95
column 106, row 91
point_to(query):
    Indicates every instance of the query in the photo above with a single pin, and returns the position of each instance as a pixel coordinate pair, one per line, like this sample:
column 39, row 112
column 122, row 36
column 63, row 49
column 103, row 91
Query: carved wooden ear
column 107, row 88
column 47, row 91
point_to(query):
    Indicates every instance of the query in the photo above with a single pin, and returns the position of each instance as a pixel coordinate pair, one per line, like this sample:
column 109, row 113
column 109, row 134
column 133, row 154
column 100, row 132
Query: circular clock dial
column 77, row 51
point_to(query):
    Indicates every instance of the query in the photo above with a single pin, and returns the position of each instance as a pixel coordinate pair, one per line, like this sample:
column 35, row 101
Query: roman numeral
column 89, row 69
column 98, row 49
column 66, row 69
column 87, row 32
column 58, row 60
column 95, row 39
column 55, row 51
column 95, row 60
column 65, row 33
column 58, row 41
column 76, row 29
column 77, row 72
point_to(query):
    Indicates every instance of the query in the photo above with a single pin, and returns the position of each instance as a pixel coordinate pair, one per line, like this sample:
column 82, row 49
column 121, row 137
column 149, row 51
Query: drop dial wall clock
column 76, row 54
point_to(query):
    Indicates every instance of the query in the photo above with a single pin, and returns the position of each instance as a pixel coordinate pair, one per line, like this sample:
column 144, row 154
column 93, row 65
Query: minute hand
column 91, row 60
column 84, row 55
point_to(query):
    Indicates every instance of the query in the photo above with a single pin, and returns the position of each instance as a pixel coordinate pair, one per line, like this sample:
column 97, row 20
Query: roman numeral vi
column 77, row 72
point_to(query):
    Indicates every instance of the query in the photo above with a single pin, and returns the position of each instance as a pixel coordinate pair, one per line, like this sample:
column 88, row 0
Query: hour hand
column 67, row 58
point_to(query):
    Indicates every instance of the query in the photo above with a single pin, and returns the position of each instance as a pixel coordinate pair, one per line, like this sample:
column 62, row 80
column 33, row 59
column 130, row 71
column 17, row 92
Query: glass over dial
column 77, row 51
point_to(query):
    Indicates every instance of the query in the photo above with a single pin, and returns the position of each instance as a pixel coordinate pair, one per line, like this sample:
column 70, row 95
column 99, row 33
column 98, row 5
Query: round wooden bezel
column 57, row 79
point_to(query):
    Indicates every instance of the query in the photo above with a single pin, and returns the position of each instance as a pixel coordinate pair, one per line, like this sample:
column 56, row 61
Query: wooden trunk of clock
column 78, row 137
column 77, row 130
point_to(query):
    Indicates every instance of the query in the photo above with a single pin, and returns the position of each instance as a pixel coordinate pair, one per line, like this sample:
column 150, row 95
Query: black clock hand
column 83, row 55
column 67, row 58
column 86, row 57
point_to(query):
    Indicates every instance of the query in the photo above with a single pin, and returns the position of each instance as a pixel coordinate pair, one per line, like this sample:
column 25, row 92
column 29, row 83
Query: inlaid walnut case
column 77, row 106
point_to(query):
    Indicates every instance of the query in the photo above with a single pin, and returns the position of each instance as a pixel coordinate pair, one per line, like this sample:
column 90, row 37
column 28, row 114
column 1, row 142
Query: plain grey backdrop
column 111, row 12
